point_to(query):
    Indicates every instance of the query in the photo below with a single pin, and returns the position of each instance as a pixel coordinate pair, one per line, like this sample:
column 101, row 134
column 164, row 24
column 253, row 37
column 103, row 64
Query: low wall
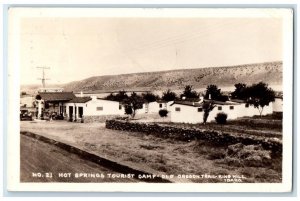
column 259, row 123
column 188, row 134
column 99, row 118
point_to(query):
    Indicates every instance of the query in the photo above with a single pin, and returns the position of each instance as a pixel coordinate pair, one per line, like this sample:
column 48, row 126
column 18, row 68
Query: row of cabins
column 192, row 112
column 92, row 108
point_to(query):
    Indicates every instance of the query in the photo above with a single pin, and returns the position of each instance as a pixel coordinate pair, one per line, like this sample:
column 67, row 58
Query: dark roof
column 80, row 99
column 238, row 100
column 191, row 99
column 161, row 101
column 188, row 103
column 57, row 96
column 225, row 103
column 197, row 104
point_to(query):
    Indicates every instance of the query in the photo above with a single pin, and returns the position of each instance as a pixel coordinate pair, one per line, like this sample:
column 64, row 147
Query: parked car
column 25, row 115
column 56, row 116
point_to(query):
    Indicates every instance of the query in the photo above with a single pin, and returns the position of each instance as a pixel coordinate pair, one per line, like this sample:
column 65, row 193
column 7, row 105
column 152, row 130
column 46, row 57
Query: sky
column 78, row 48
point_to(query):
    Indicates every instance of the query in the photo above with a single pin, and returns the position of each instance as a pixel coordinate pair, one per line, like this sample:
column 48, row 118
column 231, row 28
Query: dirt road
column 42, row 162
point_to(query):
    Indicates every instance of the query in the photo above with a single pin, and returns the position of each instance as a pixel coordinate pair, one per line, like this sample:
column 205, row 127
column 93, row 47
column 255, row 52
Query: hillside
column 270, row 72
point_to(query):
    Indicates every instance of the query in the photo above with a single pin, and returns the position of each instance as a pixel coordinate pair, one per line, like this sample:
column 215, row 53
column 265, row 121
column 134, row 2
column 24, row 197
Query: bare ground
column 153, row 154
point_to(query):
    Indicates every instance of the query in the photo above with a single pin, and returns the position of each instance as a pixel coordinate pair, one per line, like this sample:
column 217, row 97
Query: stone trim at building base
column 98, row 118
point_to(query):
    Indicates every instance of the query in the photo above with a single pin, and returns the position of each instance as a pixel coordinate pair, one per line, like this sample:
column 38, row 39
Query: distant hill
column 269, row 72
column 32, row 88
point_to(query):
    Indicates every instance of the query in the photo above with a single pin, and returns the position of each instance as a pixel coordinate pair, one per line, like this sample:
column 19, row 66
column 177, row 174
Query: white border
column 13, row 156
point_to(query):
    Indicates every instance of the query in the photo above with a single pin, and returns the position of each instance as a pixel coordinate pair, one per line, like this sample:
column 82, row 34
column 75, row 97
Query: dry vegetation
column 166, row 156
column 270, row 72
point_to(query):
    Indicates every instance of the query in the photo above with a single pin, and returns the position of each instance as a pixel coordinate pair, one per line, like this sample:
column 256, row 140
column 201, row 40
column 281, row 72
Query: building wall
column 277, row 105
column 189, row 114
column 67, row 105
column 53, row 108
column 252, row 111
column 108, row 108
column 154, row 107
column 96, row 107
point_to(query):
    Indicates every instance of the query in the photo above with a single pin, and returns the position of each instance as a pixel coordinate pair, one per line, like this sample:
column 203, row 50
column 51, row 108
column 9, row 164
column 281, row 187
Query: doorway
column 71, row 113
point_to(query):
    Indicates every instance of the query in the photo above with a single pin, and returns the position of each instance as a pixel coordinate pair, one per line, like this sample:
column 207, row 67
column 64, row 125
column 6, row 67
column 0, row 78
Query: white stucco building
column 72, row 108
column 92, row 108
column 192, row 112
column 278, row 104
column 154, row 107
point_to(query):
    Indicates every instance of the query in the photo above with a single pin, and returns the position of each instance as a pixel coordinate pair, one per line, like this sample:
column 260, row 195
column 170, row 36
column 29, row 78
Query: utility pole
column 43, row 78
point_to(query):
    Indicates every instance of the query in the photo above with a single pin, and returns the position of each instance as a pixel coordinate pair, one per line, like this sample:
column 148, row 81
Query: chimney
column 209, row 96
column 81, row 94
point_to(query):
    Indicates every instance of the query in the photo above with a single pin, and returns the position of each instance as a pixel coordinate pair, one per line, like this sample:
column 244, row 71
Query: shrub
column 163, row 113
column 128, row 110
column 247, row 155
column 221, row 118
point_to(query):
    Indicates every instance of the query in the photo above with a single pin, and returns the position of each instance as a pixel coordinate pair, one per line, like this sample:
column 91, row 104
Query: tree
column 150, row 97
column 135, row 102
column 240, row 91
column 214, row 93
column 120, row 96
column 128, row 109
column 207, row 107
column 38, row 97
column 110, row 97
column 169, row 95
column 260, row 95
column 188, row 92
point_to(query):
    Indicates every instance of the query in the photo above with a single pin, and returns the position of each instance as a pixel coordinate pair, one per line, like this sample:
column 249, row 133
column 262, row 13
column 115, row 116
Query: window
column 177, row 109
column 99, row 108
column 160, row 105
column 120, row 107
column 231, row 107
column 219, row 107
column 247, row 105
column 200, row 109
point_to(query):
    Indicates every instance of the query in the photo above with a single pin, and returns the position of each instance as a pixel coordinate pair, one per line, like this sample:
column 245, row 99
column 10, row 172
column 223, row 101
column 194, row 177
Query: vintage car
column 56, row 116
column 25, row 115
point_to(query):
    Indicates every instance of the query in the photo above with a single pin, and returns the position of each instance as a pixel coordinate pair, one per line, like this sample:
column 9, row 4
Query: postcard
column 150, row 99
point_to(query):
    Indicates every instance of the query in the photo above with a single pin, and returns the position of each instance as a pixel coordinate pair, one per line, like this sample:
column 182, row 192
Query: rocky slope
column 270, row 72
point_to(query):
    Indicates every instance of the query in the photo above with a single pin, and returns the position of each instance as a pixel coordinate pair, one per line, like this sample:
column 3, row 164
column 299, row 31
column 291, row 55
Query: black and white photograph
column 150, row 99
